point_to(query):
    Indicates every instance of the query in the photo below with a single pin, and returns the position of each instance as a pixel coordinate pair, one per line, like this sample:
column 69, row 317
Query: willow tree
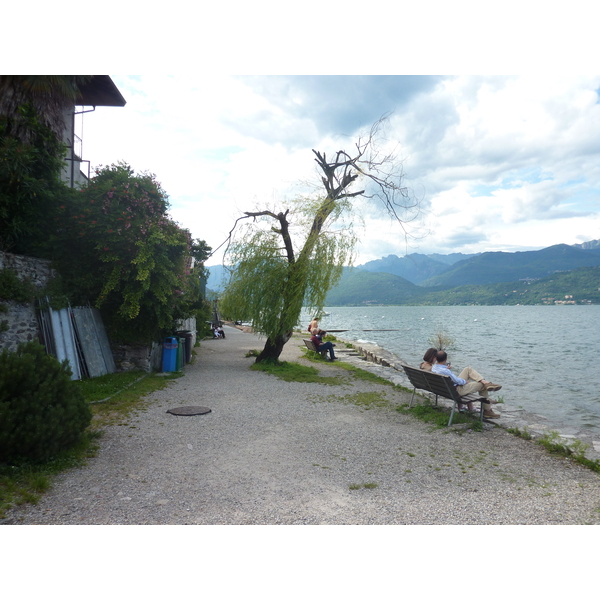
column 289, row 259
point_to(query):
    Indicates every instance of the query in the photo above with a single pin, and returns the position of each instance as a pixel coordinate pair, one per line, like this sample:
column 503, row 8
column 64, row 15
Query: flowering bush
column 116, row 248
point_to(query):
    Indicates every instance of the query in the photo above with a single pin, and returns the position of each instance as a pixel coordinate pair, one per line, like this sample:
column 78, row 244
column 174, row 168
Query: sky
column 496, row 162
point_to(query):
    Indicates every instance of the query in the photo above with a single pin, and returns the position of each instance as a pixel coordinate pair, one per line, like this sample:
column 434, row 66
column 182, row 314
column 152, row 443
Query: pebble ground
column 272, row 452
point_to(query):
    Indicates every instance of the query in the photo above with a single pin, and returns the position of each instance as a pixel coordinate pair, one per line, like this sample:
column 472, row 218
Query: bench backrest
column 440, row 385
column 310, row 345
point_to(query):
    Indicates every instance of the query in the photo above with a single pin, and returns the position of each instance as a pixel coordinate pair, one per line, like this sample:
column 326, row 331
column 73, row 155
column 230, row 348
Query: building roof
column 100, row 91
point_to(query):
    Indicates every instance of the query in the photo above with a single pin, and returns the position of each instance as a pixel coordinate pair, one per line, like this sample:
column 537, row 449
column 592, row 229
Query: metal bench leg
column 412, row 398
column 452, row 413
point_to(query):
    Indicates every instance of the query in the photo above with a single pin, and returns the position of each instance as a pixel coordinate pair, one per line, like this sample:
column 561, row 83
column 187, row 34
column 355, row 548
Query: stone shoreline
column 389, row 366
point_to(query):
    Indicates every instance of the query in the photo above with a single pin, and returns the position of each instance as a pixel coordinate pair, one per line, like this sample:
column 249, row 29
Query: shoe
column 492, row 387
column 488, row 400
column 490, row 414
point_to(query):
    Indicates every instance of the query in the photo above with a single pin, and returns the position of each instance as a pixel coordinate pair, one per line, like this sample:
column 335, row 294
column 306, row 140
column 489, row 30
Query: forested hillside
column 581, row 286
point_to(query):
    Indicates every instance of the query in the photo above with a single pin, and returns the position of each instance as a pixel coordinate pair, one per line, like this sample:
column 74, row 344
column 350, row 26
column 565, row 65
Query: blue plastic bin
column 170, row 354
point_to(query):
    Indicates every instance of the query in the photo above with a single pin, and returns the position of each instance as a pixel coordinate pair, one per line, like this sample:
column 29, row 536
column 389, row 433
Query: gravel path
column 272, row 452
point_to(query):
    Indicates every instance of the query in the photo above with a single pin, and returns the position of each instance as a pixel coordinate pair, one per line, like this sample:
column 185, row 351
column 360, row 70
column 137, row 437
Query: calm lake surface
column 540, row 354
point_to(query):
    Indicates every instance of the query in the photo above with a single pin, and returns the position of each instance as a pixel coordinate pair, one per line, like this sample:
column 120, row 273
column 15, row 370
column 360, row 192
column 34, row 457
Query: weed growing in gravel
column 358, row 486
column 522, row 434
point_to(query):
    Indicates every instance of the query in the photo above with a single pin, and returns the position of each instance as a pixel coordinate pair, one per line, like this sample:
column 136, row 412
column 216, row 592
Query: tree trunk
column 273, row 348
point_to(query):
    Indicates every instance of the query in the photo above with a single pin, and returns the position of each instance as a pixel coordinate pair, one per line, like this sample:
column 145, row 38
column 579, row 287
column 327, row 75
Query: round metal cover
column 188, row 411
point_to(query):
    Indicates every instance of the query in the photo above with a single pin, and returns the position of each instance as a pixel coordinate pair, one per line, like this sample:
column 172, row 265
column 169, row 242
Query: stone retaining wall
column 21, row 318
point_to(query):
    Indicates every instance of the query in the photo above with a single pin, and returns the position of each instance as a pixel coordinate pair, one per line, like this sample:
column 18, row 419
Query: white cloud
column 500, row 162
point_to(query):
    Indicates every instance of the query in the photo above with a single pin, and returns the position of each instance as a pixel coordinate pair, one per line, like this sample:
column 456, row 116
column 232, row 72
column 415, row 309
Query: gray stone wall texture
column 21, row 318
column 23, row 325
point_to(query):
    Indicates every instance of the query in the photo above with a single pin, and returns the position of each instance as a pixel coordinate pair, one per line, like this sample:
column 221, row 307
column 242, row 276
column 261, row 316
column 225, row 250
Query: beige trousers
column 473, row 384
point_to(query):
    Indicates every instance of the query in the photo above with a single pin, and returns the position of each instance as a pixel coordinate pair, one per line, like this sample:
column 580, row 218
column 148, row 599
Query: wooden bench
column 440, row 385
column 311, row 346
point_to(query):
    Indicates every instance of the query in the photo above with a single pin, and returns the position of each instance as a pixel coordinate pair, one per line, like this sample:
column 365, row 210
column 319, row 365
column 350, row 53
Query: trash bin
column 170, row 348
column 187, row 351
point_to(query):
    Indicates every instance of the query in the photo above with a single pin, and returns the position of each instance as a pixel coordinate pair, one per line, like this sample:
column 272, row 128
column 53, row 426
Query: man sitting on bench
column 317, row 340
column 476, row 384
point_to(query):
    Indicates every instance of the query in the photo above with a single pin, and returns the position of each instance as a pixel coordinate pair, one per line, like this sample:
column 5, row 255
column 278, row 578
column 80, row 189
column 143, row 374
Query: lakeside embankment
column 277, row 452
column 389, row 366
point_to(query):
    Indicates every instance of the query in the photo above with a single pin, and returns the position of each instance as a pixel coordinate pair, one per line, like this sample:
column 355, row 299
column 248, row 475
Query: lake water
column 540, row 354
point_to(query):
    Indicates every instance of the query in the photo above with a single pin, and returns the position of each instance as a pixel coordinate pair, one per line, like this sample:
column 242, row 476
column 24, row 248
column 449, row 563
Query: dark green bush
column 41, row 410
column 14, row 288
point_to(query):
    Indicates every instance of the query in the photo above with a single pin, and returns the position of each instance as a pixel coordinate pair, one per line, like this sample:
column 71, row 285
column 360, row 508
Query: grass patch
column 99, row 388
column 356, row 372
column 362, row 375
column 438, row 416
column 290, row 371
column 121, row 404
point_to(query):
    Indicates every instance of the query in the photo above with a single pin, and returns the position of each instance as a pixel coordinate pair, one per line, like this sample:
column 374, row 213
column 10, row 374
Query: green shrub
column 41, row 410
column 13, row 288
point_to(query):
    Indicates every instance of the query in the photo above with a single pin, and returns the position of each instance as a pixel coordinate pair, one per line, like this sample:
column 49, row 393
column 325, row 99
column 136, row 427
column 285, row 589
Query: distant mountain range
column 488, row 267
column 422, row 279
column 415, row 267
column 413, row 278
column 363, row 288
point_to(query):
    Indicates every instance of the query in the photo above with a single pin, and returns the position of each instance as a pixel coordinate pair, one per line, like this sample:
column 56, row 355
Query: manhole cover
column 189, row 411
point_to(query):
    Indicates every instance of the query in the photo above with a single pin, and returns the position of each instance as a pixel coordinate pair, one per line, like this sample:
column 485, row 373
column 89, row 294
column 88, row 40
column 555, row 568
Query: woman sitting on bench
column 429, row 359
column 317, row 340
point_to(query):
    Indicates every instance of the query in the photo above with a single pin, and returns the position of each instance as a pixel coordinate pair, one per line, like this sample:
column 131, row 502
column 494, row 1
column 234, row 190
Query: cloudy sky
column 497, row 162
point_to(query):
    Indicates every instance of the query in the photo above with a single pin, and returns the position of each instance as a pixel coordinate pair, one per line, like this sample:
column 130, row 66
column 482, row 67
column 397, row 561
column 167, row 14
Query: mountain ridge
column 394, row 279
